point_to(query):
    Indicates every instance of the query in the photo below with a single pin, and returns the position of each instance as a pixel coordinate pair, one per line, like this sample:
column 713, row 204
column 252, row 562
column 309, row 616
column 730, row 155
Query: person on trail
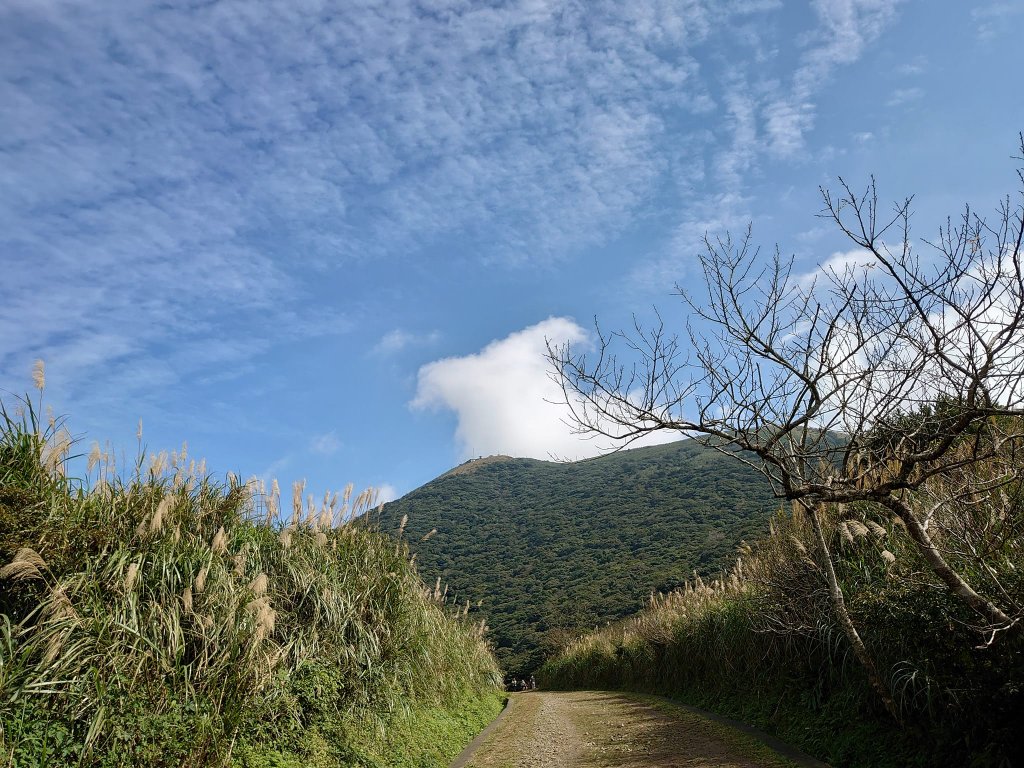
column 533, row 683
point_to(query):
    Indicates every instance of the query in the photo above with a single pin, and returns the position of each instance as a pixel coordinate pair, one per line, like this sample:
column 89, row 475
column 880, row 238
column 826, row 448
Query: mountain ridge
column 541, row 549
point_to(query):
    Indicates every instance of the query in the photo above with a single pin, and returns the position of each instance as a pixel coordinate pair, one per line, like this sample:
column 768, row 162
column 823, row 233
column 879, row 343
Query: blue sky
column 327, row 240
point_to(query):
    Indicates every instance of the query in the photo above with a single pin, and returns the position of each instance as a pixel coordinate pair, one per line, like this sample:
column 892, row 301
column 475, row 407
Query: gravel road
column 593, row 729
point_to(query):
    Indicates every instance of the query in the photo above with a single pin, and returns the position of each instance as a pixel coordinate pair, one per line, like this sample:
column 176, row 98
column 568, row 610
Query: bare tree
column 886, row 376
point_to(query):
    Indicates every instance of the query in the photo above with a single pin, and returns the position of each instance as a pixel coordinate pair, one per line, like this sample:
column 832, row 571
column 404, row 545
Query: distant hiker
column 533, row 683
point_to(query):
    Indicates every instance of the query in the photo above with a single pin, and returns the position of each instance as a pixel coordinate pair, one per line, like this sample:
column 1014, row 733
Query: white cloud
column 997, row 18
column 845, row 28
column 904, row 95
column 397, row 340
column 761, row 112
column 505, row 399
column 913, row 68
column 837, row 266
column 274, row 469
column 386, row 492
column 325, row 444
column 173, row 173
column 715, row 216
column 733, row 163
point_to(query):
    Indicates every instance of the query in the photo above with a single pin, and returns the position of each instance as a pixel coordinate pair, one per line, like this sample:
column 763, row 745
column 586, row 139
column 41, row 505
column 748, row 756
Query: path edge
column 788, row 751
column 464, row 756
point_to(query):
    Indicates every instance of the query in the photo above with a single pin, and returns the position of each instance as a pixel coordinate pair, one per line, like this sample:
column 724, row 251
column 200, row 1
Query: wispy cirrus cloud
column 398, row 340
column 902, row 96
column 765, row 110
column 996, row 18
column 176, row 172
column 173, row 174
column 845, row 28
column 770, row 110
column 914, row 68
column 326, row 444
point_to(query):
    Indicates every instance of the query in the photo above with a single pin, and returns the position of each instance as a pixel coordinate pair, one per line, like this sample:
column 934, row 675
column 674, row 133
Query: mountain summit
column 541, row 549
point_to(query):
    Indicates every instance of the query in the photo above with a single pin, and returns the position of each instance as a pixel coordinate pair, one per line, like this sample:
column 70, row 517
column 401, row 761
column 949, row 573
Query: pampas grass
column 153, row 618
column 764, row 631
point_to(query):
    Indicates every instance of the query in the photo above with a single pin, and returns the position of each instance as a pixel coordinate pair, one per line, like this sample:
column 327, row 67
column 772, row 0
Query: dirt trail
column 593, row 729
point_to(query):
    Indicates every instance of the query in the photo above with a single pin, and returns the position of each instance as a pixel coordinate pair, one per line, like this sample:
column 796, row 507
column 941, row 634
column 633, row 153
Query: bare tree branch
column 897, row 379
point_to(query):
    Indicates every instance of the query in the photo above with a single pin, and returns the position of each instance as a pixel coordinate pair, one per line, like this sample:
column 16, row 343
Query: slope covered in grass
column 762, row 644
column 551, row 548
column 149, row 618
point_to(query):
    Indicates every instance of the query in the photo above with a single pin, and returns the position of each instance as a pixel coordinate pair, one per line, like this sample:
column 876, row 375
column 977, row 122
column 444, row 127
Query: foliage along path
column 592, row 729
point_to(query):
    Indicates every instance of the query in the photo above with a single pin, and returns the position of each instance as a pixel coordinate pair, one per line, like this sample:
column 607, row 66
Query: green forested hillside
column 551, row 548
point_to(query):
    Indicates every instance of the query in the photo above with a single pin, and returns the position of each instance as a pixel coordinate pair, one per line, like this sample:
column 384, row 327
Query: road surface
column 592, row 729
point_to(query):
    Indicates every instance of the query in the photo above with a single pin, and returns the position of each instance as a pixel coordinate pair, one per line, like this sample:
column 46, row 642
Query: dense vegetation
column 553, row 548
column 148, row 618
column 761, row 642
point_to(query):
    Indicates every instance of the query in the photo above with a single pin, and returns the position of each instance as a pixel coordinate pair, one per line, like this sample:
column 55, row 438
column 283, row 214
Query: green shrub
column 161, row 617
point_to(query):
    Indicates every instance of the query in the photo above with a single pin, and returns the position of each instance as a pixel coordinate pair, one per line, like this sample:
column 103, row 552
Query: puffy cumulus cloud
column 839, row 266
column 505, row 399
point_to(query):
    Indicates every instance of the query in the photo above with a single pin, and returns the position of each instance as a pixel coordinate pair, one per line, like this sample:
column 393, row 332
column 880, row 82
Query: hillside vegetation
column 158, row 617
column 761, row 643
column 551, row 548
column 882, row 623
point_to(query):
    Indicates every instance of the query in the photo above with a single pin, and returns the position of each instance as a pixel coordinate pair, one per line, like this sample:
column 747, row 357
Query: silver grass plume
column 131, row 576
column 844, row 531
column 158, row 516
column 27, row 565
column 876, row 530
column 857, row 528
column 39, row 375
column 200, row 583
column 219, row 545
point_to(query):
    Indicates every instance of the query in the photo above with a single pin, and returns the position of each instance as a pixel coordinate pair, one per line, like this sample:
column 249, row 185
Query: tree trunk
column 949, row 577
column 848, row 627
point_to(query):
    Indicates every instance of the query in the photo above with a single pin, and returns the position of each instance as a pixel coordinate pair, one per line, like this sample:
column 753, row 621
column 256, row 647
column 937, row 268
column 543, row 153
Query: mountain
column 551, row 548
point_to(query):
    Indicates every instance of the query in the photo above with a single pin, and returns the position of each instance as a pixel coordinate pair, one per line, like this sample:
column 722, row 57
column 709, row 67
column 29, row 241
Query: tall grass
column 158, row 616
column 760, row 643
